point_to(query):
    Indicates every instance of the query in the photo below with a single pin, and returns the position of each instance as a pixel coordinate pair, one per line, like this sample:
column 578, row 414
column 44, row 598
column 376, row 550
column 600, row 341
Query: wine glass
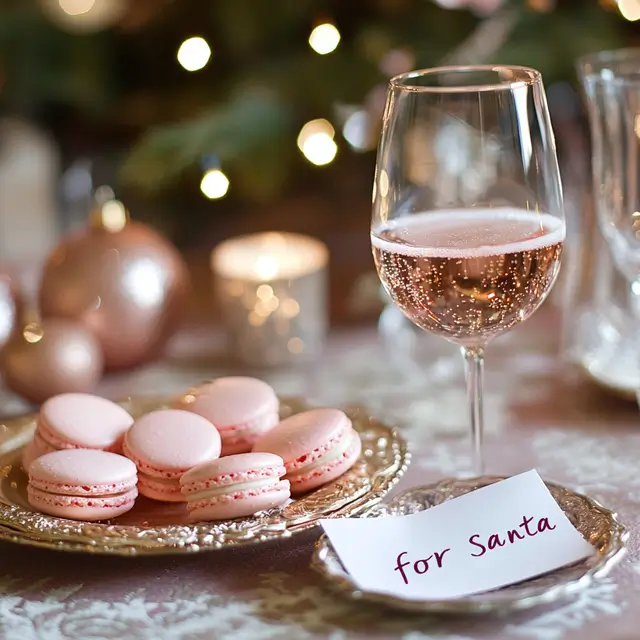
column 468, row 220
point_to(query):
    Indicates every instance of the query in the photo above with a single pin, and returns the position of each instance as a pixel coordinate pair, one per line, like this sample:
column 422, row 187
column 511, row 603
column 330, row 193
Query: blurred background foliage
column 105, row 75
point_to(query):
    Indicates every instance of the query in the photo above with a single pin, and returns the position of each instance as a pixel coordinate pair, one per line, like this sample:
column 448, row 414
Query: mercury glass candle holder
column 272, row 290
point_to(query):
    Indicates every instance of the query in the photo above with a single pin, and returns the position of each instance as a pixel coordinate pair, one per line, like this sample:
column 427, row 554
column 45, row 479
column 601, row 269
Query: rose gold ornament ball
column 49, row 357
column 123, row 281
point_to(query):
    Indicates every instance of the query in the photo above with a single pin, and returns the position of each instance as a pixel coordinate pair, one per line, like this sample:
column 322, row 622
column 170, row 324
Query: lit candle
column 272, row 290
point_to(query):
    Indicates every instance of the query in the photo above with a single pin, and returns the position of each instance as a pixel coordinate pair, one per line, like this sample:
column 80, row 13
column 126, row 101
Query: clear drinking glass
column 468, row 221
column 611, row 84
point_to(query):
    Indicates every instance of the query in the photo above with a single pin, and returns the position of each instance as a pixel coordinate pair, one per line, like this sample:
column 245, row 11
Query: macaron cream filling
column 104, row 500
column 338, row 441
column 334, row 452
column 237, row 478
column 111, row 489
column 159, row 485
column 240, row 490
column 239, row 432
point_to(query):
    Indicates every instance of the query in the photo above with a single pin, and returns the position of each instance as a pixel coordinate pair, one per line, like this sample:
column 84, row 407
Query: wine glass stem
column 474, row 367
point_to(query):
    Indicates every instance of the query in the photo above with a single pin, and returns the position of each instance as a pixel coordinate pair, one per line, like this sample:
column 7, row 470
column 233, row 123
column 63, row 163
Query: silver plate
column 154, row 528
column 598, row 525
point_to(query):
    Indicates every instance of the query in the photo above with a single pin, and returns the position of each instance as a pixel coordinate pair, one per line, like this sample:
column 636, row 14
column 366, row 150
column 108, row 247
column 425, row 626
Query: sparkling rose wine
column 469, row 274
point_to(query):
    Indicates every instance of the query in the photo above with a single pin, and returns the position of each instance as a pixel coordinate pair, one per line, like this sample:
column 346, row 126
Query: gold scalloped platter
column 599, row 526
column 155, row 528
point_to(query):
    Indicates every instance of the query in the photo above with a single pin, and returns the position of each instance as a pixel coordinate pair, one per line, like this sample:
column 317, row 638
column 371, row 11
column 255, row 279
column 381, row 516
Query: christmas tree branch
column 260, row 122
column 248, row 123
column 486, row 40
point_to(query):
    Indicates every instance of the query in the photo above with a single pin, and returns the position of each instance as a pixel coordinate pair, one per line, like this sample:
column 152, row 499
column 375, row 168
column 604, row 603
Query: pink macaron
column 79, row 421
column 82, row 484
column 164, row 445
column 317, row 446
column 235, row 486
column 241, row 408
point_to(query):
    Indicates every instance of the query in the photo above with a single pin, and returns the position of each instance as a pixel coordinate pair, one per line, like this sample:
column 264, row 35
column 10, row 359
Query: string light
column 324, row 38
column 114, row 216
column 194, row 54
column 214, row 184
column 630, row 9
column 316, row 141
column 320, row 149
column 315, row 126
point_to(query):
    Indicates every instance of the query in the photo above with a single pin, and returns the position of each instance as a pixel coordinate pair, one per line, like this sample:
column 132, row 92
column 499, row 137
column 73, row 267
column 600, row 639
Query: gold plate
column 599, row 526
column 154, row 528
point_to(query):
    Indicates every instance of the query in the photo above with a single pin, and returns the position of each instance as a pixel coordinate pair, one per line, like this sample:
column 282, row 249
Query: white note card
column 492, row 537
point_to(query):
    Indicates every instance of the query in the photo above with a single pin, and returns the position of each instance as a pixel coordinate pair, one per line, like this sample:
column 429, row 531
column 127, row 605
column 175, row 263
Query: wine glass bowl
column 468, row 275
column 468, row 222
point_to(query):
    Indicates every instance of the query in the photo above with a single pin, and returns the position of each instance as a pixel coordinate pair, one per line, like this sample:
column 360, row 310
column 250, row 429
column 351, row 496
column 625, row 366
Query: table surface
column 536, row 414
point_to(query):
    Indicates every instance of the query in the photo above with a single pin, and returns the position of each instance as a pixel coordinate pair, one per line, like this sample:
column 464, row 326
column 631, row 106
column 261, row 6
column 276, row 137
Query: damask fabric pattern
column 536, row 418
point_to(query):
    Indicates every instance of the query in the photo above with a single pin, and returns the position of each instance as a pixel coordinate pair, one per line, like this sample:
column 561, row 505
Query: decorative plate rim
column 527, row 597
column 365, row 485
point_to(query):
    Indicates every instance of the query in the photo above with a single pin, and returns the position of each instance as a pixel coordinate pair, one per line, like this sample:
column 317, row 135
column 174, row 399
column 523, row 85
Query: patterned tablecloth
column 536, row 417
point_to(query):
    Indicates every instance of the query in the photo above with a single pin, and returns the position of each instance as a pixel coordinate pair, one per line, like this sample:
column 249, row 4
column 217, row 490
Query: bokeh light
column 316, row 141
column 76, row 7
column 114, row 216
column 194, row 54
column 357, row 131
column 630, row 9
column 320, row 125
column 320, row 149
column 324, row 38
column 214, row 184
column 84, row 16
